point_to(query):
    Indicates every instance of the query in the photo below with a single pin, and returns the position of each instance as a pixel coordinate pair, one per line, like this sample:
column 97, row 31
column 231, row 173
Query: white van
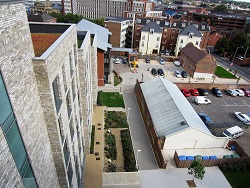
column 202, row 100
column 233, row 132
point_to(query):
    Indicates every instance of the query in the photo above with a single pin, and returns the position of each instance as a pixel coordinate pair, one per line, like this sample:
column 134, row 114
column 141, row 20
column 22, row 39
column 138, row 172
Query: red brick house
column 197, row 63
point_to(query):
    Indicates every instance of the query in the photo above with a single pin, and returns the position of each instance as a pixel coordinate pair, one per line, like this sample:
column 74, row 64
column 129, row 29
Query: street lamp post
column 136, row 159
column 128, row 111
column 235, row 54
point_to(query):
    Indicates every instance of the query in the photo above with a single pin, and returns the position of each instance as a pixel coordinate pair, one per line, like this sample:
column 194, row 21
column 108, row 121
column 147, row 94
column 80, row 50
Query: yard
column 110, row 99
column 223, row 73
column 238, row 179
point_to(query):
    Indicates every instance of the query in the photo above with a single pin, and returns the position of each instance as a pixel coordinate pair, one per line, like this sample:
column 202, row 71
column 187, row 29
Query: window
column 158, row 38
column 143, row 37
column 151, row 31
column 142, row 43
column 13, row 137
column 69, row 108
column 70, row 63
column 197, row 43
column 56, row 91
column 181, row 42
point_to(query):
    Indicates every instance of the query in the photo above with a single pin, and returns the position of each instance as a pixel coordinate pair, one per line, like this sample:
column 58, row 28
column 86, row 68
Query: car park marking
column 229, row 104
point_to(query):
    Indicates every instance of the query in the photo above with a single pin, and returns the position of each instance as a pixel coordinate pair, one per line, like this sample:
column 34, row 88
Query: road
column 243, row 71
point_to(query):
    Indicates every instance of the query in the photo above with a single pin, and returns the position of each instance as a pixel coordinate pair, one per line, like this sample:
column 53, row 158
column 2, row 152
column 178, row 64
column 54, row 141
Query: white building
column 189, row 34
column 150, row 38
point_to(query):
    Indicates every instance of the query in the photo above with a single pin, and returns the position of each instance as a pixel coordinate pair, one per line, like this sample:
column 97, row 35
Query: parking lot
column 221, row 109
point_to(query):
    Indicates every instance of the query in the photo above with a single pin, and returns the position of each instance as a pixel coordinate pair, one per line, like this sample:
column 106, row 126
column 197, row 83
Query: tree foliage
column 222, row 8
column 74, row 18
column 222, row 45
column 240, row 40
column 196, row 169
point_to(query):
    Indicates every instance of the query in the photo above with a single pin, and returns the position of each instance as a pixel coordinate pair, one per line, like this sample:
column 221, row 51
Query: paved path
column 176, row 178
column 146, row 159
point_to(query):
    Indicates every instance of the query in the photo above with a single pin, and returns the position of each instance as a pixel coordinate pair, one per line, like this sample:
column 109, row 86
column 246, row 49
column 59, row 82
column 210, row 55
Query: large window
column 56, row 90
column 13, row 137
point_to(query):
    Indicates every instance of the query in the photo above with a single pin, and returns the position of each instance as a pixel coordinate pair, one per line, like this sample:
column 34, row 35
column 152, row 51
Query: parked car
column 231, row 92
column 206, row 119
column 124, row 61
column 217, row 92
column 194, row 92
column 167, row 53
column 147, row 60
column 172, row 53
column 202, row 100
column 185, row 92
column 177, row 63
column 240, row 93
column 161, row 61
column 246, row 91
column 154, row 71
column 233, row 132
column 160, row 72
column 177, row 74
column 184, row 74
column 162, row 52
column 202, row 92
column 117, row 61
column 242, row 117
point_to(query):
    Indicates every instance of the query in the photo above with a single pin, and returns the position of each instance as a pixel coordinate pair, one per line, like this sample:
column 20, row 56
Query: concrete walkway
column 93, row 171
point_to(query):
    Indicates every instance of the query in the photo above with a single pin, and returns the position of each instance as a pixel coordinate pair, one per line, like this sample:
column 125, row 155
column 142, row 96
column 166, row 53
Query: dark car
column 162, row 52
column 206, row 119
column 184, row 74
column 147, row 60
column 124, row 61
column 154, row 71
column 172, row 53
column 160, row 72
column 217, row 92
column 202, row 92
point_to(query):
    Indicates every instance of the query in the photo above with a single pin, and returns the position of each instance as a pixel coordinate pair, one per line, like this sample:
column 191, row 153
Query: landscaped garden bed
column 110, row 146
column 223, row 73
column 92, row 140
column 115, row 119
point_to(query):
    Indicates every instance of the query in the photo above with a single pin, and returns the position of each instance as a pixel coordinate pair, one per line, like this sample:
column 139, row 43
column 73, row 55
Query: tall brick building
column 46, row 101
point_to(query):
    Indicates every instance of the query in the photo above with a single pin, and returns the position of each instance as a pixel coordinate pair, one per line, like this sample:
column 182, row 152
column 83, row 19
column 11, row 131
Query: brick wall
column 115, row 29
column 100, row 69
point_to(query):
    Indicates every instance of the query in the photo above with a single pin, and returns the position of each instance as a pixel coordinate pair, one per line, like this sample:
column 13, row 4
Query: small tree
column 196, row 169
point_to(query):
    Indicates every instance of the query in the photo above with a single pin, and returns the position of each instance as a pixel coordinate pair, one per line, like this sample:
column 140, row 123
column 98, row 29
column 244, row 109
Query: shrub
column 110, row 149
column 128, row 152
column 92, row 140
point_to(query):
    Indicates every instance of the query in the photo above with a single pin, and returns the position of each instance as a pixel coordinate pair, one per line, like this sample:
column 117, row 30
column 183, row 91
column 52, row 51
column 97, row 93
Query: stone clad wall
column 16, row 53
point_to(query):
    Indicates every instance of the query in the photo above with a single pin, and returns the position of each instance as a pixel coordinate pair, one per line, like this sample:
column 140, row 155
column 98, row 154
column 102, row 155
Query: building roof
column 152, row 25
column 191, row 29
column 122, row 50
column 40, row 18
column 171, row 12
column 117, row 19
column 169, row 109
column 193, row 53
column 101, row 33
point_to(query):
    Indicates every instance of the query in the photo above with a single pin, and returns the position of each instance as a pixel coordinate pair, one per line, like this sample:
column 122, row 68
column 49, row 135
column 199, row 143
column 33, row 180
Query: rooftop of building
column 152, row 25
column 40, row 18
column 193, row 53
column 191, row 29
column 169, row 109
column 118, row 19
column 46, row 36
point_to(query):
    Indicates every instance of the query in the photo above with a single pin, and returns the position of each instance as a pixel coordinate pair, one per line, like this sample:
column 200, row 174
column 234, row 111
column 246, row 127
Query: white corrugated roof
column 101, row 32
column 169, row 108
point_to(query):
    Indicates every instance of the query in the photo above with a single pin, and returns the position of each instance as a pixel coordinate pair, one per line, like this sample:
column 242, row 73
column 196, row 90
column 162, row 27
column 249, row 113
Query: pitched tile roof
column 191, row 29
column 152, row 25
column 193, row 53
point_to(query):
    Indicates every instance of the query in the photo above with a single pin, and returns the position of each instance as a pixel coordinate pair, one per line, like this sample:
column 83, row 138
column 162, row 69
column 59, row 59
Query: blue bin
column 182, row 158
column 205, row 157
column 233, row 147
column 212, row 157
column 190, row 158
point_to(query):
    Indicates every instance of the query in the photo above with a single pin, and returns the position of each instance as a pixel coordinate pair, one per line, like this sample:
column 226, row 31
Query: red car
column 246, row 91
column 194, row 92
column 185, row 92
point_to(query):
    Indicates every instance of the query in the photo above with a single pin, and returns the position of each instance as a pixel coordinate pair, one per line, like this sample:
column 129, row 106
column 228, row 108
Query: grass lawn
column 117, row 80
column 111, row 99
column 238, row 179
column 222, row 73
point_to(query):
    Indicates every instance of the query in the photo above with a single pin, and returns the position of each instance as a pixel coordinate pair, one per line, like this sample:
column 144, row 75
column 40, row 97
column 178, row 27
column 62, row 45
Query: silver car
column 231, row 92
column 177, row 74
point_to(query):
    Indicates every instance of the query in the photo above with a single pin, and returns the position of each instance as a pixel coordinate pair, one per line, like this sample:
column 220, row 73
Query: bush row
column 115, row 120
column 110, row 149
column 128, row 152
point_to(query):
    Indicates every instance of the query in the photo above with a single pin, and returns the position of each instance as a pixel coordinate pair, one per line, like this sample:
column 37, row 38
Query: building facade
column 120, row 28
column 150, row 39
column 47, row 100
